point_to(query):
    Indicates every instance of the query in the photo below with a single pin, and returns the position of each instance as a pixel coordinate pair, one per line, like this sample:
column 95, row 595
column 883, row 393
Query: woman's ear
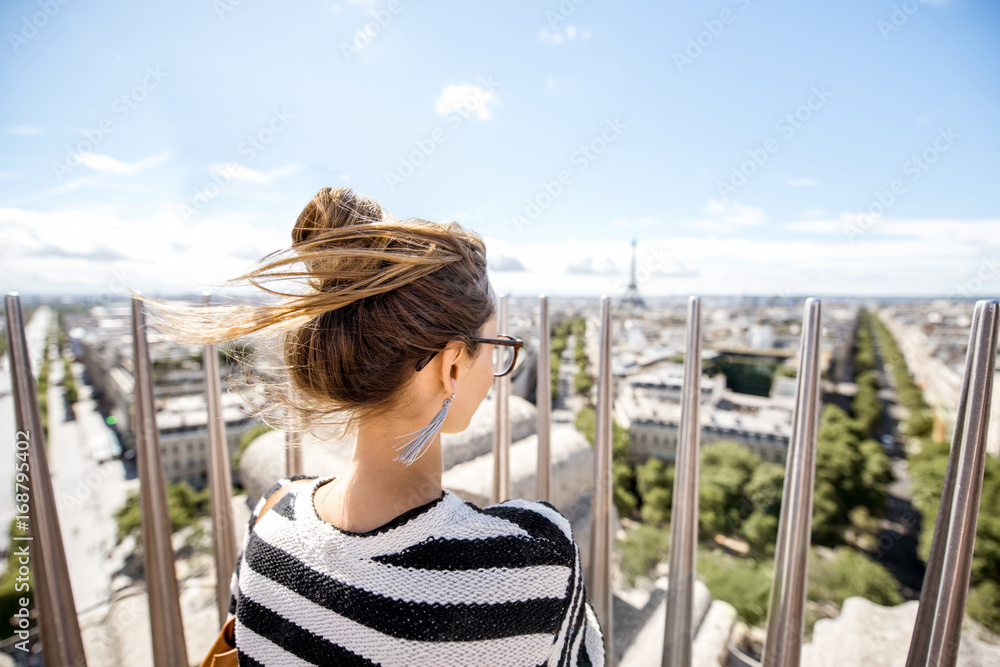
column 453, row 366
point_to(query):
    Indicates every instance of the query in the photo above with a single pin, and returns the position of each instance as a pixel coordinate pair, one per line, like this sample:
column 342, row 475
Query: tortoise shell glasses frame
column 501, row 339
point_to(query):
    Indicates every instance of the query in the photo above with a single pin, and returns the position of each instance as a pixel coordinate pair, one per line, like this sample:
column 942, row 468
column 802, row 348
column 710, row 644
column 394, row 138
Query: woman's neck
column 375, row 489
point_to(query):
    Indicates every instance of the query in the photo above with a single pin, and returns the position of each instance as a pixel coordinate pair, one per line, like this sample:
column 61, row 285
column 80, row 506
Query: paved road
column 899, row 537
column 87, row 491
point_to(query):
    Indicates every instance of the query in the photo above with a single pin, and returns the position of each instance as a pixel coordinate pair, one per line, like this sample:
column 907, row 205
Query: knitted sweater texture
column 446, row 584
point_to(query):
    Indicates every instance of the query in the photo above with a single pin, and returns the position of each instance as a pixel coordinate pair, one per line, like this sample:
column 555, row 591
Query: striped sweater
column 444, row 584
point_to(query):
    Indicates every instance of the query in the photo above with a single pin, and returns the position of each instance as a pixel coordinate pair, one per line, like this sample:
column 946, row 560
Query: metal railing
column 43, row 546
column 937, row 629
column 946, row 582
column 501, row 432
column 220, row 482
column 602, row 533
column 678, row 632
column 169, row 647
column 786, row 612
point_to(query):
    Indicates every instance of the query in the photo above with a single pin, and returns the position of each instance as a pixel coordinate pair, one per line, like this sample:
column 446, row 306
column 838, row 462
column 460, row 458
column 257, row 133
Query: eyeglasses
column 504, row 354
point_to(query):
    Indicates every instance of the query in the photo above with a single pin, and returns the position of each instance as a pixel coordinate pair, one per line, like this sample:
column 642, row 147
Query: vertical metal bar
column 786, row 610
column 501, row 435
column 62, row 643
column 926, row 612
column 678, row 633
column 601, row 533
column 220, row 482
column 293, row 451
column 543, row 397
column 161, row 577
column 937, row 630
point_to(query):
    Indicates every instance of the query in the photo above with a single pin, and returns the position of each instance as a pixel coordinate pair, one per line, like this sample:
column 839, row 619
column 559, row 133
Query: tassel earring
column 414, row 448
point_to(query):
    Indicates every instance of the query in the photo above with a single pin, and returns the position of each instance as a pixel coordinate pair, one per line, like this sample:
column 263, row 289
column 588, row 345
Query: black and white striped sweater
column 444, row 584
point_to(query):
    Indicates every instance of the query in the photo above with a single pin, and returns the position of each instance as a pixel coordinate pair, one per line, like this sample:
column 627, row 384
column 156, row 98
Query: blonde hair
column 379, row 294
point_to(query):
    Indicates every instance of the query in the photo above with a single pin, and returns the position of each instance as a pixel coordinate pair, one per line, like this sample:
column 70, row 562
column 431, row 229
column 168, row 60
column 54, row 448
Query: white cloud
column 239, row 172
column 590, row 265
column 567, row 34
column 82, row 250
column 641, row 221
column 469, row 97
column 730, row 215
column 83, row 183
column 895, row 257
column 502, row 263
column 25, row 130
column 99, row 162
column 801, row 182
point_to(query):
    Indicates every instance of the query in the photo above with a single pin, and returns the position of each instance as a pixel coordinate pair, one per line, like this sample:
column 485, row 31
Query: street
column 87, row 492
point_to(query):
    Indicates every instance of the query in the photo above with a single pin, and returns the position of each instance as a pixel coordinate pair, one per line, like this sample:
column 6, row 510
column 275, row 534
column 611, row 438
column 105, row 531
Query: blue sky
column 776, row 148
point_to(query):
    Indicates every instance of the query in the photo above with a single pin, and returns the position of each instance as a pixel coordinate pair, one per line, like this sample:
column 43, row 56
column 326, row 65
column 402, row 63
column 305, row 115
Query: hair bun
column 333, row 208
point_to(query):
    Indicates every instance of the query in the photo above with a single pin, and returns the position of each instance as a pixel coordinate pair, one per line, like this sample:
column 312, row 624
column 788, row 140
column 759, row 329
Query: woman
column 395, row 338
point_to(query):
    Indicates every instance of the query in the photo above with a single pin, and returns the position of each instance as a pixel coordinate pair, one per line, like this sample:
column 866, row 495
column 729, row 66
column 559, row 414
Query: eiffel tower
column 632, row 297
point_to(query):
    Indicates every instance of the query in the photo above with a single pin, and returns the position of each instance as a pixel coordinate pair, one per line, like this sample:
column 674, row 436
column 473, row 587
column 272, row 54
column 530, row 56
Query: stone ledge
column 869, row 634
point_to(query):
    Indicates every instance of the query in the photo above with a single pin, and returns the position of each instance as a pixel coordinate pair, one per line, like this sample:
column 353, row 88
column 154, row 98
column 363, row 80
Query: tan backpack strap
column 278, row 495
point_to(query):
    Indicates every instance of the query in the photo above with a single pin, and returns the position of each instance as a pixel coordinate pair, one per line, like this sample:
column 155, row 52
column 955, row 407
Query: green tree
column 622, row 488
column 585, row 422
column 849, row 574
column 919, row 424
column 725, row 469
column 582, row 382
column 69, row 383
column 744, row 583
column 641, row 550
column 760, row 531
column 927, row 469
column 655, row 485
column 848, row 473
column 554, row 372
column 866, row 406
column 763, row 490
column 186, row 507
column 984, row 604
